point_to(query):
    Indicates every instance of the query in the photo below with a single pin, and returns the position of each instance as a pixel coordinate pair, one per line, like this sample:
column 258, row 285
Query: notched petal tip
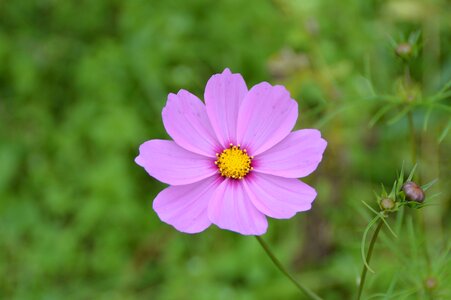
column 173, row 98
column 183, row 92
column 263, row 84
column 280, row 88
column 316, row 134
column 138, row 161
column 322, row 147
column 227, row 71
column 325, row 143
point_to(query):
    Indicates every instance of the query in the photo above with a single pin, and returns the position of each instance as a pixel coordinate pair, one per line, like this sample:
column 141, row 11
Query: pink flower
column 234, row 160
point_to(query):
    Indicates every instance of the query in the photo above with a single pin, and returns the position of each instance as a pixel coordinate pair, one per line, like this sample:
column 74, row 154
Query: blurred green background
column 83, row 83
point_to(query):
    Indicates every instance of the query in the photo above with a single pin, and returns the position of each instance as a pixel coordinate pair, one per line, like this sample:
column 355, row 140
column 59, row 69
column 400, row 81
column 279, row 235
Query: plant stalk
column 307, row 292
column 413, row 137
column 368, row 258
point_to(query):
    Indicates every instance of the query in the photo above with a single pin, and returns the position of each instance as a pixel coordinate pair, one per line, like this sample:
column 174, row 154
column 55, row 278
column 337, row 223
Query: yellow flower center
column 234, row 162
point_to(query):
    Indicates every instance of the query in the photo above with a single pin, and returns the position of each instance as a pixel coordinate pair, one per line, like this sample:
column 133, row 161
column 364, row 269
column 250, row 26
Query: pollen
column 234, row 162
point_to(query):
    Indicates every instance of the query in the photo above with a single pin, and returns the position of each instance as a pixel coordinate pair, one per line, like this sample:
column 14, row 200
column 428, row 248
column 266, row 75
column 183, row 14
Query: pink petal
column 267, row 115
column 296, row 156
column 223, row 95
column 279, row 197
column 232, row 209
column 186, row 206
column 186, row 121
column 171, row 164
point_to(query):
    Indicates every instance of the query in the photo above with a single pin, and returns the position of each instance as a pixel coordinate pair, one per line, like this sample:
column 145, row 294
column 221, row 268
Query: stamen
column 234, row 162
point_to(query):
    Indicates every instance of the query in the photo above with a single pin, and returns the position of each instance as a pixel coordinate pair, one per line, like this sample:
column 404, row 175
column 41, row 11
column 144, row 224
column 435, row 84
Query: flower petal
column 186, row 121
column 171, row 164
column 296, row 156
column 232, row 209
column 186, row 206
column 267, row 115
column 279, row 197
column 223, row 95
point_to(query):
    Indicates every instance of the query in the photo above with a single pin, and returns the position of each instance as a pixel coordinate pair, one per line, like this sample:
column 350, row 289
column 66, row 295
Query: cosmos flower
column 234, row 160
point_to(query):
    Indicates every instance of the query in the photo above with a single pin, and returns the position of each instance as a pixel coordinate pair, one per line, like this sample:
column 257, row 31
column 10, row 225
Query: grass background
column 83, row 83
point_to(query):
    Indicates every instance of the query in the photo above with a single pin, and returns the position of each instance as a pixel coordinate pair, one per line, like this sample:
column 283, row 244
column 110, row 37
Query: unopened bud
column 404, row 50
column 430, row 283
column 312, row 26
column 413, row 192
column 387, row 204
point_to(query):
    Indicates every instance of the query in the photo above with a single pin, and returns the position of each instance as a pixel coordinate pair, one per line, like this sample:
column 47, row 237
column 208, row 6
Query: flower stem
column 304, row 290
column 368, row 258
column 413, row 137
column 408, row 83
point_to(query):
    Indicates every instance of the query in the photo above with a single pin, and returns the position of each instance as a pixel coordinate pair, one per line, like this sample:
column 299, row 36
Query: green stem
column 368, row 258
column 408, row 82
column 304, row 290
column 420, row 215
column 413, row 137
column 407, row 77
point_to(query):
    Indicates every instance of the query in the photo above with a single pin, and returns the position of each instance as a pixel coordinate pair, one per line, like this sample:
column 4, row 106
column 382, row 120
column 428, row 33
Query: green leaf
column 412, row 172
column 426, row 118
column 380, row 113
column 362, row 244
column 400, row 115
column 444, row 132
column 426, row 186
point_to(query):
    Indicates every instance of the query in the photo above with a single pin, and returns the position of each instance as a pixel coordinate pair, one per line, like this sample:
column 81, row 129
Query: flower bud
column 387, row 204
column 404, row 50
column 430, row 283
column 312, row 26
column 413, row 192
